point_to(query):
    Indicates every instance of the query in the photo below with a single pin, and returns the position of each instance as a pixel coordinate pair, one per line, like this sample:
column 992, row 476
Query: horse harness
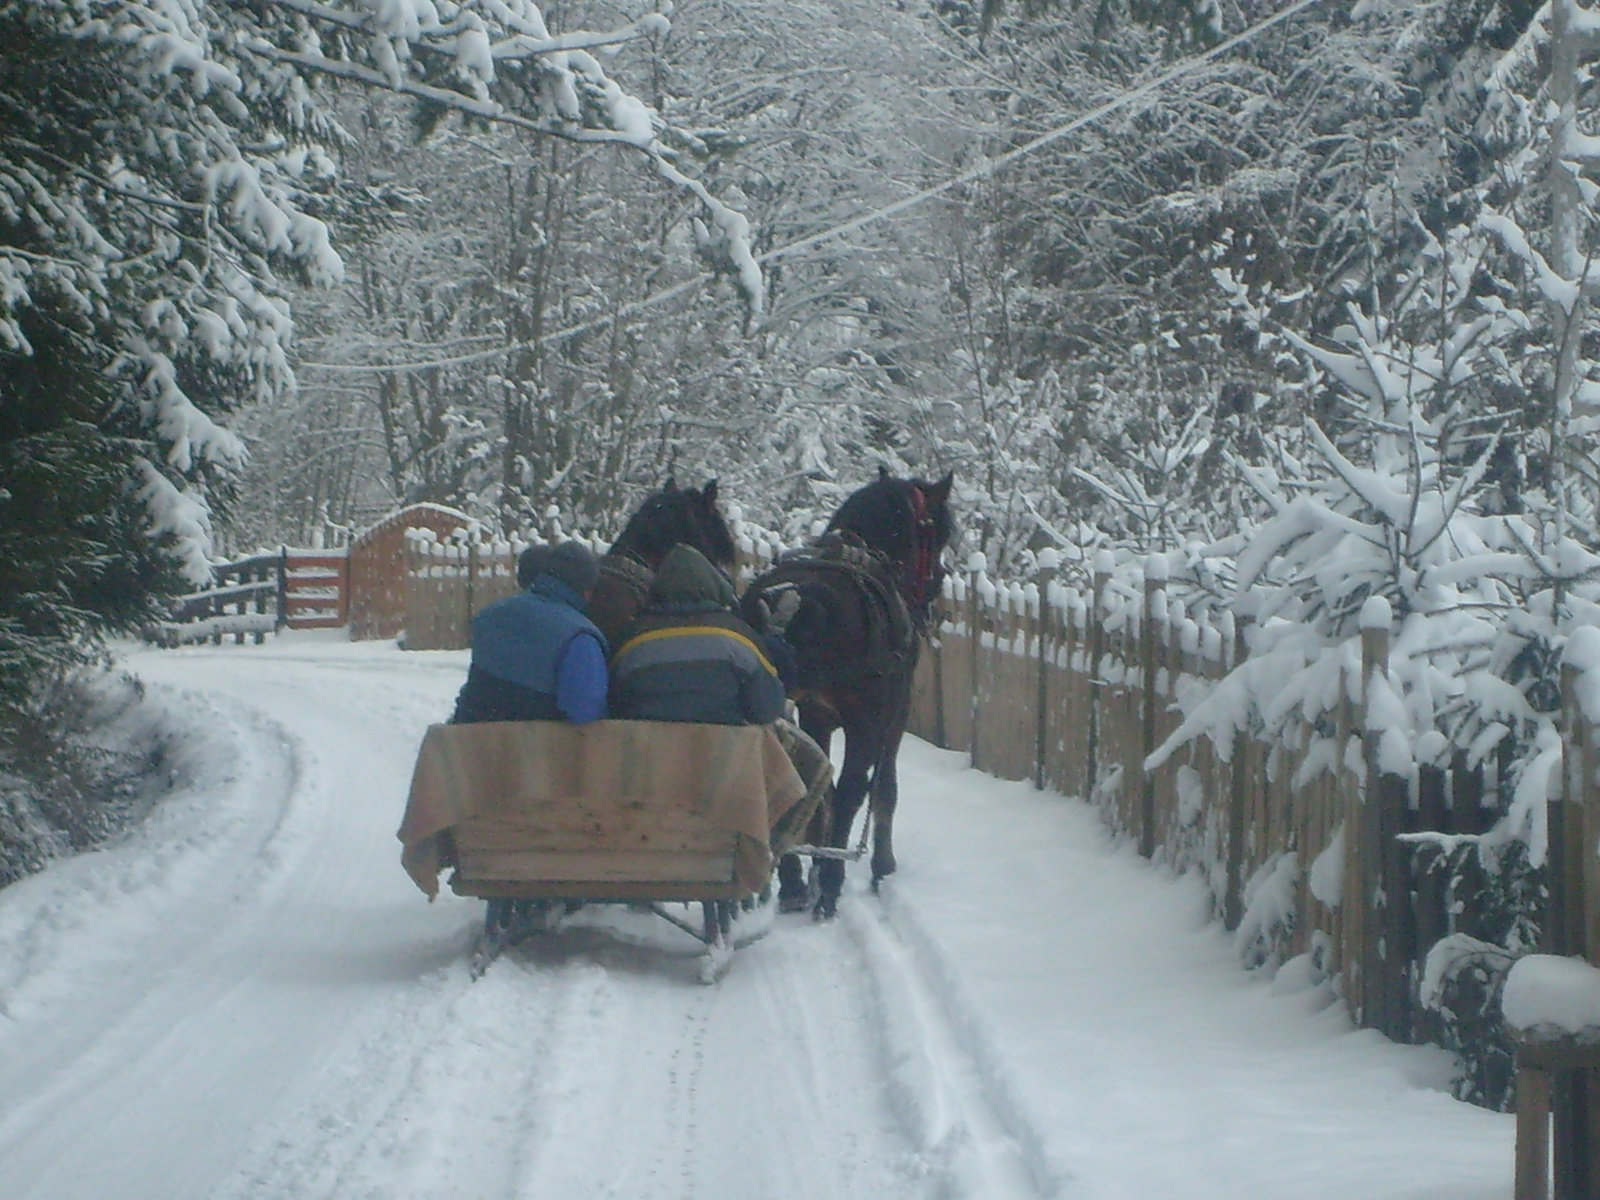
column 846, row 562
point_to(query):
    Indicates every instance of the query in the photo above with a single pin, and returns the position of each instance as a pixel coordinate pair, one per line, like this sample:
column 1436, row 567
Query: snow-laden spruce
column 1404, row 525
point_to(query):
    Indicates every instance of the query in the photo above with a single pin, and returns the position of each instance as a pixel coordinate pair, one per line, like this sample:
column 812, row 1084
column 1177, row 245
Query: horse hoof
column 826, row 910
column 791, row 902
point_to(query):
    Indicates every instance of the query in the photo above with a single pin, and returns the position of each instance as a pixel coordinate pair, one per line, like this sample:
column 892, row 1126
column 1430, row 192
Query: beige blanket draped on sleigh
column 610, row 810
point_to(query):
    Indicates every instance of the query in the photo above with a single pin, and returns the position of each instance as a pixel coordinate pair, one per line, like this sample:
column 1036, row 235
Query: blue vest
column 520, row 639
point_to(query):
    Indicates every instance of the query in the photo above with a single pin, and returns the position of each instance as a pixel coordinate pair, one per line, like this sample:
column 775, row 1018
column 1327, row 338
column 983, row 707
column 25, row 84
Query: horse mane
column 673, row 515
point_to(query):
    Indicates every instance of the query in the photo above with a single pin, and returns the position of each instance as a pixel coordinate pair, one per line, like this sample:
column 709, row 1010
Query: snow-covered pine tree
column 166, row 173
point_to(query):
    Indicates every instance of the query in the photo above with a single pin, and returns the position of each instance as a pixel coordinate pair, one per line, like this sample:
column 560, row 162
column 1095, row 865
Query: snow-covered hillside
column 249, row 999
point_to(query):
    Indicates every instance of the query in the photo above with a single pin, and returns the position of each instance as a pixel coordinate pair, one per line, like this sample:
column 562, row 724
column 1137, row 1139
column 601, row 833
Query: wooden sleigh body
column 539, row 817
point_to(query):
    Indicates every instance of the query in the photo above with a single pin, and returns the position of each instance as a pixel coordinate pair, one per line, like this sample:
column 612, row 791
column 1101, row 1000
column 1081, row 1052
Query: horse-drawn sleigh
column 538, row 816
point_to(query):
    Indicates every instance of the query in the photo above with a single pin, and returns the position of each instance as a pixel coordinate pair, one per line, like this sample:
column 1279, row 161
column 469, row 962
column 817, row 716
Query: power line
column 982, row 170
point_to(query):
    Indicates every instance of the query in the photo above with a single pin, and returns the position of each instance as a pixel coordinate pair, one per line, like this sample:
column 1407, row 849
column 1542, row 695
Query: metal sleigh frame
column 510, row 919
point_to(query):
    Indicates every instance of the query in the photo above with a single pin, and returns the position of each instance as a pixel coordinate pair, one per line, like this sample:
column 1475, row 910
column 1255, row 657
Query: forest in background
column 1295, row 294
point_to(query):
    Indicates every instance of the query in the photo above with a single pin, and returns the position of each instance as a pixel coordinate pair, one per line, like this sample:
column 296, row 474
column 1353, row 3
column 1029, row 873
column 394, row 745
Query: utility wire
column 982, row 170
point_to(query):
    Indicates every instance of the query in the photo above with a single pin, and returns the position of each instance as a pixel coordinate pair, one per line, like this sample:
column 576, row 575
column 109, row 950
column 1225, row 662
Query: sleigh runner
column 529, row 814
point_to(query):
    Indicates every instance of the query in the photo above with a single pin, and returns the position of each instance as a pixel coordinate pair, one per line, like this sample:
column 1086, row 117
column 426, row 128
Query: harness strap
column 922, row 549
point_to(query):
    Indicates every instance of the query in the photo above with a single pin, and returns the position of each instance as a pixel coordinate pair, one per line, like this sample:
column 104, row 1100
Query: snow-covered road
column 249, row 999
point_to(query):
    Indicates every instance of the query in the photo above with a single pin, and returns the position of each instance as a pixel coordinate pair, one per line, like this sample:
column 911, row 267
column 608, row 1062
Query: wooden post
column 1532, row 1180
column 1103, row 563
column 1076, row 703
column 975, row 568
column 1044, row 633
column 1378, row 899
column 1574, row 1104
column 1151, row 659
column 283, row 587
column 266, row 570
column 936, row 648
column 1236, row 637
column 1431, row 915
column 215, row 606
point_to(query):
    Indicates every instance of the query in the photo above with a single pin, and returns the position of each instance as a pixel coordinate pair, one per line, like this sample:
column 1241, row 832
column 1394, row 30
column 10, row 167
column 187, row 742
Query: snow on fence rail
column 257, row 595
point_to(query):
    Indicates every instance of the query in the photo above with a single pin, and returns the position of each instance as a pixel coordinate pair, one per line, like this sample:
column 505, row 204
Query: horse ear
column 883, row 472
column 671, row 485
column 710, row 493
column 939, row 493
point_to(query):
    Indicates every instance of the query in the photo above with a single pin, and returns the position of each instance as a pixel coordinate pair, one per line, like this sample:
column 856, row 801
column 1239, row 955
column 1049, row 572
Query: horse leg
column 848, row 793
column 885, row 795
column 886, row 792
column 794, row 894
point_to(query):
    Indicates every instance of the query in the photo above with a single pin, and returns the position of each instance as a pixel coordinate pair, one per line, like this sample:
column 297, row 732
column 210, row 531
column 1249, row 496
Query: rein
column 923, row 551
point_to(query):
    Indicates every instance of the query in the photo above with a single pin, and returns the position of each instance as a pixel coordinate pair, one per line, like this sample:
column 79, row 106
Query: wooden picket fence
column 448, row 580
column 1074, row 688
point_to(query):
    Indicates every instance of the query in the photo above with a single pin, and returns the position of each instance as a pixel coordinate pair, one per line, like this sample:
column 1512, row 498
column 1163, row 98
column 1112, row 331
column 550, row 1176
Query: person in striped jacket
column 688, row 657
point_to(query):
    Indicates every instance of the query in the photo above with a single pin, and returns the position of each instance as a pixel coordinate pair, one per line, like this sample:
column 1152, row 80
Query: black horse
column 665, row 519
column 854, row 606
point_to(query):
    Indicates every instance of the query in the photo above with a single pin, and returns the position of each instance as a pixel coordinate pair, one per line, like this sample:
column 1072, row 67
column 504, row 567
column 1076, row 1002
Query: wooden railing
column 245, row 600
column 252, row 597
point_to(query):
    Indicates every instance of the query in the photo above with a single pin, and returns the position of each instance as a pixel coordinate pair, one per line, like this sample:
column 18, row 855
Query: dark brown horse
column 666, row 518
column 858, row 602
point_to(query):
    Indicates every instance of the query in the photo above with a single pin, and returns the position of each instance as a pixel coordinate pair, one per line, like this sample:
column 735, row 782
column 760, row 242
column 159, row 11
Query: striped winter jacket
column 686, row 657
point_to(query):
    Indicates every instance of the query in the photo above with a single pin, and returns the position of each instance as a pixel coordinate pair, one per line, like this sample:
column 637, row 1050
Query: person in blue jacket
column 536, row 656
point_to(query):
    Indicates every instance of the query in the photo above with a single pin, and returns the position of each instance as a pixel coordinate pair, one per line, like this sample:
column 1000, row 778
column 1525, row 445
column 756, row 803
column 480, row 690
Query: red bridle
column 924, row 549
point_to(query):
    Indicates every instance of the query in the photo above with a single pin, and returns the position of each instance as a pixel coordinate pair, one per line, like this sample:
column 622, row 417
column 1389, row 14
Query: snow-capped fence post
column 1094, row 668
column 1152, row 658
column 1045, row 637
column 1237, row 622
column 1377, row 863
column 975, row 606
